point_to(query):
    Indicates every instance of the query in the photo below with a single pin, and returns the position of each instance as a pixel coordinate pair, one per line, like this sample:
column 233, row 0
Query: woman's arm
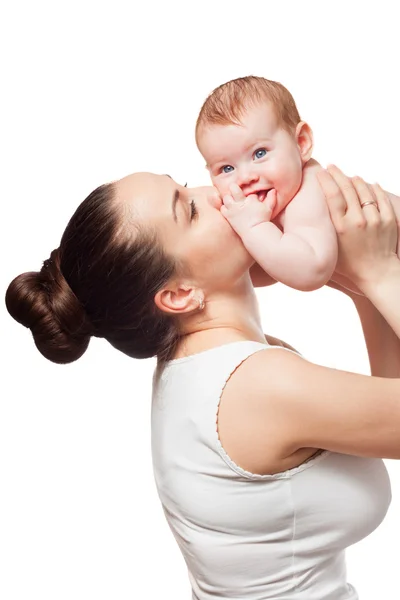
column 297, row 404
column 385, row 295
column 280, row 403
column 367, row 238
column 382, row 343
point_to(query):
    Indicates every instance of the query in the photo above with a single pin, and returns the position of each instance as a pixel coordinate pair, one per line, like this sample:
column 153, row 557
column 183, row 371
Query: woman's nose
column 215, row 199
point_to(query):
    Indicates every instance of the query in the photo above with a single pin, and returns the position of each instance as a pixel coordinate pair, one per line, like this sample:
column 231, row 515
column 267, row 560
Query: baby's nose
column 246, row 176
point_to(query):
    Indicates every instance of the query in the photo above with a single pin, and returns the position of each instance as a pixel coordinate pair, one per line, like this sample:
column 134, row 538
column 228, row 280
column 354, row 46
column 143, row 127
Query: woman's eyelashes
column 193, row 210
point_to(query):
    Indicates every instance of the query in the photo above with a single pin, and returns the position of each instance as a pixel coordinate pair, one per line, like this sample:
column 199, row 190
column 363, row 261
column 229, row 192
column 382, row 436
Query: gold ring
column 369, row 202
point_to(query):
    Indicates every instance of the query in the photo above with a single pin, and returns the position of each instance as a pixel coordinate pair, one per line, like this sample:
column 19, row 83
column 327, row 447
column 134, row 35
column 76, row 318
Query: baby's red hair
column 227, row 104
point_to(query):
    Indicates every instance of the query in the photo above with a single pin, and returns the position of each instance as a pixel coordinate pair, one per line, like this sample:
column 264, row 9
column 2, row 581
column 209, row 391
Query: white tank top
column 249, row 536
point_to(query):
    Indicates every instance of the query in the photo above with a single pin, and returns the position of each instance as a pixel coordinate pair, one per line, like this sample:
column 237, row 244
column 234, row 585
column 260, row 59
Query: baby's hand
column 244, row 213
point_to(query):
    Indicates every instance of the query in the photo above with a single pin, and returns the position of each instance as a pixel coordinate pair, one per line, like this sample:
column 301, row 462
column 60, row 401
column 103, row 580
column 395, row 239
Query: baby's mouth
column 262, row 194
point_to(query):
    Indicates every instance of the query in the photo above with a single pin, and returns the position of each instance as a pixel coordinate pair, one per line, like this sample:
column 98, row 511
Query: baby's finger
column 271, row 199
column 237, row 193
column 224, row 212
column 228, row 200
column 334, row 198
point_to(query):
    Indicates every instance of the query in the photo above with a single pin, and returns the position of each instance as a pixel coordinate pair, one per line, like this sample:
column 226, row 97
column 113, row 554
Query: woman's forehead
column 137, row 183
column 142, row 190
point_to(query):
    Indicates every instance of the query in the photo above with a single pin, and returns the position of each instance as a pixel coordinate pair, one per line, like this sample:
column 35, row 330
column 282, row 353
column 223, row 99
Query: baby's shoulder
column 308, row 205
column 300, row 206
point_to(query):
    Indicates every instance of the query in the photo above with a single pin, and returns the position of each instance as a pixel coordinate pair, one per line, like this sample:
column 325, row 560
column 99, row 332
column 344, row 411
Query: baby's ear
column 305, row 140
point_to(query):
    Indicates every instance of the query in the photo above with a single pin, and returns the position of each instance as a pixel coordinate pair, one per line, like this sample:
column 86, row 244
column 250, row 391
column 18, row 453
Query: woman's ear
column 305, row 141
column 178, row 299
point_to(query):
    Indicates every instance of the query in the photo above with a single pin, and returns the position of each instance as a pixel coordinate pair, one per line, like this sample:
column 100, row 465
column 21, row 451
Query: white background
column 90, row 92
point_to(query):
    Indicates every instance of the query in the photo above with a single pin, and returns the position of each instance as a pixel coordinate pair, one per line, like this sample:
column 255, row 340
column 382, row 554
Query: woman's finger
column 384, row 205
column 334, row 198
column 367, row 200
column 347, row 188
column 365, row 191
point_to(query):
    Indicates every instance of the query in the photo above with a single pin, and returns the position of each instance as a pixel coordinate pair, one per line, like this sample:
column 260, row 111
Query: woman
column 267, row 466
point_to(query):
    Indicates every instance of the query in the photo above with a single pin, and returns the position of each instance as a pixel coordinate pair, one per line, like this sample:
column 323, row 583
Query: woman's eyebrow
column 174, row 203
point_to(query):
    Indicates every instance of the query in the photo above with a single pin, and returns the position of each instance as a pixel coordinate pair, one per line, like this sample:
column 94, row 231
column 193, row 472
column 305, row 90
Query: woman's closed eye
column 193, row 210
column 260, row 153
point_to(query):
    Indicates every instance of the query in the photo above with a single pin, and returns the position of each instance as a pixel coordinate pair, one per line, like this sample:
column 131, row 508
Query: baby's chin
column 282, row 200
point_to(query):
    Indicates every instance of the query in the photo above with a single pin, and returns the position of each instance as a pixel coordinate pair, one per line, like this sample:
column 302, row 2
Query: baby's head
column 250, row 133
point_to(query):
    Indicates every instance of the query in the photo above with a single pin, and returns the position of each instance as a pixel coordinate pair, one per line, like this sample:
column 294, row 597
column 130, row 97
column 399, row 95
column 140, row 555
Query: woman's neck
column 226, row 317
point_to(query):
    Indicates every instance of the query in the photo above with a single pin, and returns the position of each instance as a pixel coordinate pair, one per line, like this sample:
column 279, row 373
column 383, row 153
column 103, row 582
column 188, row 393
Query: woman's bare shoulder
column 273, row 341
column 247, row 429
column 278, row 403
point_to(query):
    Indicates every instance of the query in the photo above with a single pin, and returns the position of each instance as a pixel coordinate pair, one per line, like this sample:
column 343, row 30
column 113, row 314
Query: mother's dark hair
column 101, row 281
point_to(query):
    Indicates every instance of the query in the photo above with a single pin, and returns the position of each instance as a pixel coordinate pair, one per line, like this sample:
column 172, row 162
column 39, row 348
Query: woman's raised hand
column 365, row 224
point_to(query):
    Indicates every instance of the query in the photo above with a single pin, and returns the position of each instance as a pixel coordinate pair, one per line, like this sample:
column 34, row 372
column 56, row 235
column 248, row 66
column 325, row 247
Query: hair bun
column 44, row 303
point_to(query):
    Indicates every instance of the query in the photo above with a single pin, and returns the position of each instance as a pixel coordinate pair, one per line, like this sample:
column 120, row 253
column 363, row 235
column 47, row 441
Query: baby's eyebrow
column 219, row 161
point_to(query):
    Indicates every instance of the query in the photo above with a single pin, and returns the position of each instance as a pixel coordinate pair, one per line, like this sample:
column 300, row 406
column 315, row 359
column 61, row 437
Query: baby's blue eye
column 260, row 153
column 227, row 169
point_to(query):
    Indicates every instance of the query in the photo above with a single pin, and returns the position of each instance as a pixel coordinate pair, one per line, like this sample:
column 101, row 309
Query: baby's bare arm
column 304, row 255
column 303, row 259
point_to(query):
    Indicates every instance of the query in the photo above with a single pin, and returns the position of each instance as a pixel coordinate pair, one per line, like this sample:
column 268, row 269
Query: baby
column 258, row 152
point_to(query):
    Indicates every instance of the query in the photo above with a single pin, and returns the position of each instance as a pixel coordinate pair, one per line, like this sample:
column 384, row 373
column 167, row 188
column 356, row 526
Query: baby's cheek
column 289, row 176
column 221, row 186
